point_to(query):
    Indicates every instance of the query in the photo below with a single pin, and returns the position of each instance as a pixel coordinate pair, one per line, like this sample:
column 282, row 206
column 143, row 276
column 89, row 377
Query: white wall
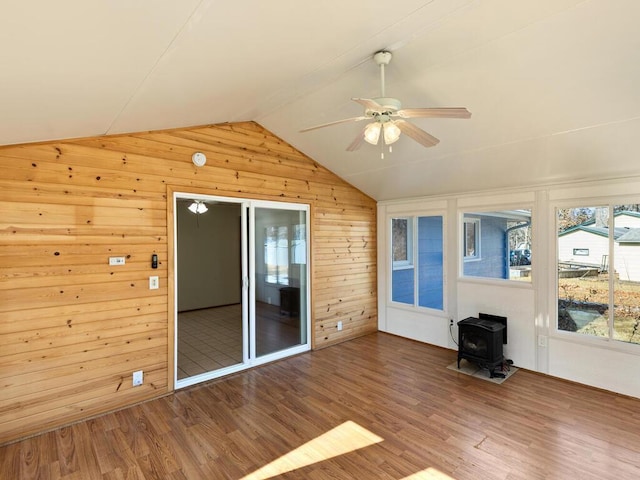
column 627, row 263
column 595, row 365
column 627, row 258
column 628, row 221
column 209, row 268
column 533, row 341
column 517, row 304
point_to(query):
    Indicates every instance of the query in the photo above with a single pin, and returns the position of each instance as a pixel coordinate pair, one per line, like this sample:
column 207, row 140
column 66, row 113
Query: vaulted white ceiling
column 553, row 85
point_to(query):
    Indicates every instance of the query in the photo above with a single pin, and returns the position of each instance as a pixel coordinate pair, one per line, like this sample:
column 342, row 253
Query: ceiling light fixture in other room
column 198, row 207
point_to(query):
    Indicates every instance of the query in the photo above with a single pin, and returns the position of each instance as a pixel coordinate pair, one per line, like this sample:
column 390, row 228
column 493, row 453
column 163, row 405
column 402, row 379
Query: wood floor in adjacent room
column 378, row 407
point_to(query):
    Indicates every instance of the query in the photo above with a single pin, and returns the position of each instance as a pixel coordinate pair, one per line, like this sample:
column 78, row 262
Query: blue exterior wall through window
column 427, row 272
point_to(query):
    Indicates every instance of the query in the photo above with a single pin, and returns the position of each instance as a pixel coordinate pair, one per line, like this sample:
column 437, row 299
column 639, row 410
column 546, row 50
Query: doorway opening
column 241, row 284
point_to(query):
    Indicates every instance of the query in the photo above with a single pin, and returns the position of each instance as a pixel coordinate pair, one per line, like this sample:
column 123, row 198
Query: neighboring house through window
column 607, row 259
column 497, row 244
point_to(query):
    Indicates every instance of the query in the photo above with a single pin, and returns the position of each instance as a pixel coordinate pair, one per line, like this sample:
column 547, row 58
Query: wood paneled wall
column 73, row 328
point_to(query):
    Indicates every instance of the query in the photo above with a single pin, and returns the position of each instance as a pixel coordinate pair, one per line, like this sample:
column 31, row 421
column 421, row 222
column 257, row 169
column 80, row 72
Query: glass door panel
column 280, row 238
column 211, row 304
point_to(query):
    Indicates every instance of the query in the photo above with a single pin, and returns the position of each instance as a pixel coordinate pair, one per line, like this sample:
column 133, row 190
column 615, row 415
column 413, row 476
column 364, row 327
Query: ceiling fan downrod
column 391, row 105
column 382, row 58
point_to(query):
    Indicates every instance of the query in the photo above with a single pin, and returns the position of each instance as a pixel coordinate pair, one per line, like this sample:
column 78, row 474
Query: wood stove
column 480, row 341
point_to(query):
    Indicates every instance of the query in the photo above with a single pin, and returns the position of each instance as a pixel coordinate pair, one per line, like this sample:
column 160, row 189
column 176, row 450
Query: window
column 276, row 254
column 299, row 244
column 471, row 239
column 402, row 242
column 285, row 247
column 419, row 283
column 611, row 263
column 497, row 244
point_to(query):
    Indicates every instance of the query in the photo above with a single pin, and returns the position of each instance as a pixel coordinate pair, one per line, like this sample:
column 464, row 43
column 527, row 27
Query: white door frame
column 248, row 207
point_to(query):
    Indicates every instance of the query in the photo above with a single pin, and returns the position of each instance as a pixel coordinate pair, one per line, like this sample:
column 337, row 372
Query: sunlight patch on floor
column 429, row 474
column 345, row 438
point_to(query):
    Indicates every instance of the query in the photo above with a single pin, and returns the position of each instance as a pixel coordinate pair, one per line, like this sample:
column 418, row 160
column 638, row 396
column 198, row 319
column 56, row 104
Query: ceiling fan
column 388, row 116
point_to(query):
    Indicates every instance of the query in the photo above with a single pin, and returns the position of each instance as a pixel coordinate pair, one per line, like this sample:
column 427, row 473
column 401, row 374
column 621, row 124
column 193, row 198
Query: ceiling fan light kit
column 391, row 132
column 384, row 110
column 372, row 133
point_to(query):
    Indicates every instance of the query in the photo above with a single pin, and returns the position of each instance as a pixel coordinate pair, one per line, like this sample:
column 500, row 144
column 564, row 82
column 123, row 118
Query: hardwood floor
column 378, row 407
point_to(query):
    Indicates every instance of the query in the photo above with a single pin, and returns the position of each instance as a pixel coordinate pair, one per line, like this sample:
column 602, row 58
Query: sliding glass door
column 241, row 284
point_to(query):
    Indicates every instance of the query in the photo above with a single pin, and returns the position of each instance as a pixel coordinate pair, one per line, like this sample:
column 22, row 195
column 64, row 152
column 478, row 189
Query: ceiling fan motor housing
column 388, row 104
column 382, row 57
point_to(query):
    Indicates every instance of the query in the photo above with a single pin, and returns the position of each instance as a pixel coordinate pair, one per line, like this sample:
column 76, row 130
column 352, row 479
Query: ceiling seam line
column 154, row 66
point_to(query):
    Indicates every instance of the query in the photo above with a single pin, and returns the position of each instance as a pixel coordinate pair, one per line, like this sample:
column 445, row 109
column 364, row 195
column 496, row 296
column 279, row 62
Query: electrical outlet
column 451, row 322
column 154, row 283
column 542, row 340
column 138, row 378
column 339, row 325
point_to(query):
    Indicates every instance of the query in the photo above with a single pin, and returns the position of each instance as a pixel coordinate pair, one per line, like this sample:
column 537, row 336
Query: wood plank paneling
column 73, row 328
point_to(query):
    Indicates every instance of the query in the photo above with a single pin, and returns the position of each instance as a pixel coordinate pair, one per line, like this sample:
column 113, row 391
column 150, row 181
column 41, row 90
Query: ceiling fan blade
column 416, row 133
column 357, row 142
column 345, row 120
column 369, row 104
column 449, row 112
